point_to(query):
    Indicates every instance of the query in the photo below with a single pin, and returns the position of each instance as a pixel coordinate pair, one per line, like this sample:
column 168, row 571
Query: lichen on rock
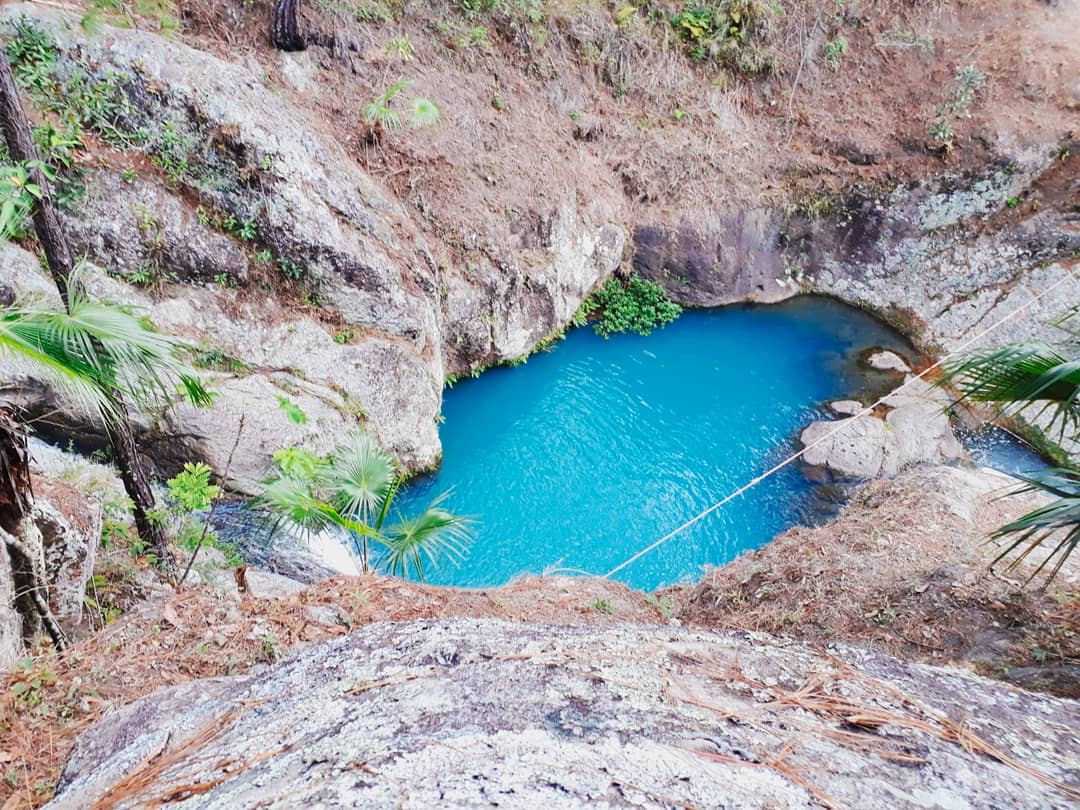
column 461, row 712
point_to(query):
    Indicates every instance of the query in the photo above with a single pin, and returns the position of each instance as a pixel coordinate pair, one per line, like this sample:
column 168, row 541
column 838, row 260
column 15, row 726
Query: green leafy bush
column 729, row 32
column 634, row 305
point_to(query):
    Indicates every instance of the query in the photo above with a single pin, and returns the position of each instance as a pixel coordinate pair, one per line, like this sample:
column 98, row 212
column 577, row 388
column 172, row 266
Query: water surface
column 593, row 450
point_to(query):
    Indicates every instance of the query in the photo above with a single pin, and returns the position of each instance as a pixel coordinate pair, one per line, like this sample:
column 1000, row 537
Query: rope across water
column 841, row 425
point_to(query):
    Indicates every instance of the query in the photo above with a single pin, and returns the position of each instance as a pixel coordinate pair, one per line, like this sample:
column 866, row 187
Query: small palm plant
column 1034, row 378
column 353, row 490
column 380, row 115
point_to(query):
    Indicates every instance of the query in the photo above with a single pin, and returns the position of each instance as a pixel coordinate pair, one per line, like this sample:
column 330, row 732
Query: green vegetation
column 728, row 32
column 400, row 47
column 353, row 489
column 17, row 197
column 968, row 80
column 633, row 305
column 98, row 353
column 1039, row 378
column 603, row 606
column 189, row 494
column 834, row 50
column 662, row 605
column 380, row 114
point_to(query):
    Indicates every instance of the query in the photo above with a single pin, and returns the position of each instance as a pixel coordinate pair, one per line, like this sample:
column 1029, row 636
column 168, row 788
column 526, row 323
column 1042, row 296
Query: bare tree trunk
column 21, row 146
column 50, row 234
column 285, row 26
column 22, row 538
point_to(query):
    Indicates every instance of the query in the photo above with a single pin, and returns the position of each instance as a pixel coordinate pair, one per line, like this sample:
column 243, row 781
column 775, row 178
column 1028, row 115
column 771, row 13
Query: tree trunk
column 22, row 538
column 21, row 146
column 50, row 234
column 285, row 26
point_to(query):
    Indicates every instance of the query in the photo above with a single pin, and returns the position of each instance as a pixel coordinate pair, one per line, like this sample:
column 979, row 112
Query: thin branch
column 213, row 506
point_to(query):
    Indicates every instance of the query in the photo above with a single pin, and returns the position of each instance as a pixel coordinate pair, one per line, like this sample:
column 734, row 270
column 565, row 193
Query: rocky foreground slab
column 467, row 712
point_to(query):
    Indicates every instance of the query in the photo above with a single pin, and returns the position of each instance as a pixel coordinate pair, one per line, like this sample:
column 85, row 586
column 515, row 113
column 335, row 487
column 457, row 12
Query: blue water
column 997, row 448
column 589, row 452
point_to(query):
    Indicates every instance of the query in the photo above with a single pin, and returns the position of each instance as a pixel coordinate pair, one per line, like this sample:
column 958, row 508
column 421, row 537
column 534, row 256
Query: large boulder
column 70, row 524
column 467, row 712
column 132, row 225
column 915, row 429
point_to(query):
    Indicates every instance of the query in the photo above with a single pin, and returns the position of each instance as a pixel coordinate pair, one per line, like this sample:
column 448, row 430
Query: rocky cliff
column 238, row 202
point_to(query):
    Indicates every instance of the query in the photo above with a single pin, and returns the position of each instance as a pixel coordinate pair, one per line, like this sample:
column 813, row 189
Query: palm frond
column 430, row 536
column 291, row 499
column 96, row 351
column 424, row 112
column 23, row 339
column 1057, row 522
column 359, row 478
column 1020, row 374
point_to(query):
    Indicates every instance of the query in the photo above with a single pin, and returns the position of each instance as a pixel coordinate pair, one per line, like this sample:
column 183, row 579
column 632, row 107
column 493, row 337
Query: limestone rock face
column 499, row 311
column 128, row 226
column 387, row 315
column 915, row 430
column 468, row 712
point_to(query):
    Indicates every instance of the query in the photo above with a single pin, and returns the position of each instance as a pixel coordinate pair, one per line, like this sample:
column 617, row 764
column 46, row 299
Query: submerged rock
column 845, row 407
column 887, row 361
column 467, row 712
column 915, row 430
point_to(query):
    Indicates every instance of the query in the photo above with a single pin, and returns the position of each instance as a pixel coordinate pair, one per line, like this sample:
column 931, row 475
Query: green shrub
column 634, row 305
column 729, row 32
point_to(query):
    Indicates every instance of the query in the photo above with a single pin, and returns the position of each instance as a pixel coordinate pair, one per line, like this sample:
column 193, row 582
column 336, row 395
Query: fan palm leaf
column 96, row 351
column 359, row 479
column 1020, row 375
column 1057, row 524
column 433, row 534
column 352, row 490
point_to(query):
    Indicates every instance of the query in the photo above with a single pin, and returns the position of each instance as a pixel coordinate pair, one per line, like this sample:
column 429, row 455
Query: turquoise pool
column 591, row 451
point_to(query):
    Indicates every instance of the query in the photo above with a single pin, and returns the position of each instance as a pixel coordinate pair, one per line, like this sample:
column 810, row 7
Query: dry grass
column 903, row 570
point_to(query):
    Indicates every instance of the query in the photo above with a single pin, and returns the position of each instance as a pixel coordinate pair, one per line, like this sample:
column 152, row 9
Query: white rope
column 842, row 424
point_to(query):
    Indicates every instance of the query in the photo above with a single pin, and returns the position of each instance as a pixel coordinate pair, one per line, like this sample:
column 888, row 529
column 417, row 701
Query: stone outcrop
column 70, row 524
column 66, row 518
column 915, row 429
column 464, row 712
column 943, row 258
column 387, row 315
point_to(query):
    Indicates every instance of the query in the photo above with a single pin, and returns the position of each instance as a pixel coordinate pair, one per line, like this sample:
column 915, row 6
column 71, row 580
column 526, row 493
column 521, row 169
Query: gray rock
column 915, row 430
column 253, row 155
column 887, row 361
column 189, row 433
column 22, row 279
column 499, row 311
column 70, row 526
column 267, row 585
column 128, row 226
column 466, row 712
column 855, row 450
column 845, row 407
